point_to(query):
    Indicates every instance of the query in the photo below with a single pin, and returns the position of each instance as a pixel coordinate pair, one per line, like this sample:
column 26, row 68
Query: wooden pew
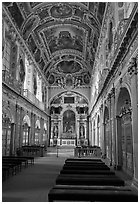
column 83, row 159
column 87, row 164
column 107, row 181
column 85, row 167
column 89, row 172
column 29, row 158
column 87, row 176
column 92, row 194
column 84, row 162
column 15, row 159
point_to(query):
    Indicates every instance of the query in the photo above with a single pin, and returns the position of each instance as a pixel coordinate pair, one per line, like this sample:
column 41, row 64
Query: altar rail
column 94, row 151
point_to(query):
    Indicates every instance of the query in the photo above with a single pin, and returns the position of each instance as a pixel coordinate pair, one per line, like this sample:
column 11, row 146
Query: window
column 110, row 36
column 6, row 57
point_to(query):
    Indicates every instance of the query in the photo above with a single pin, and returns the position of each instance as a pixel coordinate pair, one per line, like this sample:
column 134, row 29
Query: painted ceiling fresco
column 62, row 37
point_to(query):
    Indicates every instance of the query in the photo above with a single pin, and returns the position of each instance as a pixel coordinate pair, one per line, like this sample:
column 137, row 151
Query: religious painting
column 64, row 37
column 68, row 67
column 69, row 121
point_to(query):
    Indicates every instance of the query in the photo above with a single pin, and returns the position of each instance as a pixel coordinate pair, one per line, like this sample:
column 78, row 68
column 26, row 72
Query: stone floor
column 32, row 184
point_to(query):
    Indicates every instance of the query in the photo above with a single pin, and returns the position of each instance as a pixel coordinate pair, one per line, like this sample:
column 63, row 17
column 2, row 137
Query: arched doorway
column 124, row 132
column 45, row 136
column 7, row 133
column 106, row 133
column 98, row 131
column 26, row 130
column 69, row 122
column 37, row 133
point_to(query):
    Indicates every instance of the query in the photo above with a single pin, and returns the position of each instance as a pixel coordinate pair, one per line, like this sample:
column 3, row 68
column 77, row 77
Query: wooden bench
column 85, row 167
column 90, row 172
column 10, row 168
column 29, row 158
column 108, row 181
column 16, row 159
column 87, row 176
column 83, row 159
column 84, row 162
column 92, row 195
column 87, row 164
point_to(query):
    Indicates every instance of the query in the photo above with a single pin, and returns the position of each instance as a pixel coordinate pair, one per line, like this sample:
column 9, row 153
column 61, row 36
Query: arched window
column 110, row 35
column 6, row 134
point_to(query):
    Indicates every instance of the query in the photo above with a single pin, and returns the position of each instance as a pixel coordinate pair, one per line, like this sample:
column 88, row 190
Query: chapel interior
column 69, row 101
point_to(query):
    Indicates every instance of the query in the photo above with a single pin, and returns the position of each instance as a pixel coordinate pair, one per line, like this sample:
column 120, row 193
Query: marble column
column 51, row 139
column 85, row 125
column 110, row 129
column 32, row 128
column 101, row 128
column 21, row 127
column 12, row 145
column 118, row 143
column 113, row 128
column 41, row 130
column 90, row 132
column 132, row 70
column 59, row 129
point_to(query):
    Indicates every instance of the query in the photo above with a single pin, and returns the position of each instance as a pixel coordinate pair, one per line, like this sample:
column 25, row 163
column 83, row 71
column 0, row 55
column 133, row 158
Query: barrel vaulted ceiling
column 62, row 37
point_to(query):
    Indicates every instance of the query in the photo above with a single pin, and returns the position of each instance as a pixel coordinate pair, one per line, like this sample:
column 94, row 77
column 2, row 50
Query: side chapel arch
column 124, row 131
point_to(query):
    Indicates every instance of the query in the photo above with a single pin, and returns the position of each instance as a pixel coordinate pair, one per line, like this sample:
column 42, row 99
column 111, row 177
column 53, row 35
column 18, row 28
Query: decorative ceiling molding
column 52, row 30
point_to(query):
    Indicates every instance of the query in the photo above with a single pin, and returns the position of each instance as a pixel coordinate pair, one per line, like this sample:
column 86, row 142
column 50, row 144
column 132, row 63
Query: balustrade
column 87, row 152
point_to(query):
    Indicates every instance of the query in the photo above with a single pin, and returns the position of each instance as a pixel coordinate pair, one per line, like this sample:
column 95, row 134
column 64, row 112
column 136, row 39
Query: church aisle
column 33, row 183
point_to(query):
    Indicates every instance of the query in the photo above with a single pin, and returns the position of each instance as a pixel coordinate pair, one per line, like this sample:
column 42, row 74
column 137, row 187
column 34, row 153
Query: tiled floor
column 32, row 184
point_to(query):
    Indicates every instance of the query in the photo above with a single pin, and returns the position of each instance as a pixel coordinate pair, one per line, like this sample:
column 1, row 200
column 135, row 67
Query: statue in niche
column 82, row 131
column 55, row 131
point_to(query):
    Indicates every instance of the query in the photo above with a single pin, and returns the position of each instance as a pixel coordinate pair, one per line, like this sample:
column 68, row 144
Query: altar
column 68, row 142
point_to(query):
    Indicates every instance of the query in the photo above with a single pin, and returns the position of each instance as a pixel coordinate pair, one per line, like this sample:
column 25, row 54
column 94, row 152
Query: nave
column 69, row 81
column 35, row 183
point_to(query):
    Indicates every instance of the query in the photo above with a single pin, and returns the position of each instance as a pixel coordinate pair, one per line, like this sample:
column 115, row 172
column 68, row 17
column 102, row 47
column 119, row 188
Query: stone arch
column 37, row 124
column 63, row 92
column 123, row 85
column 94, row 132
column 37, row 132
column 26, row 119
column 26, row 124
column 124, row 131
